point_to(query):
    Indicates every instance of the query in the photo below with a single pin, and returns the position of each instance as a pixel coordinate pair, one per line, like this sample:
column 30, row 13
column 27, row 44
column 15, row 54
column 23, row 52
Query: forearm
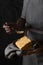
column 20, row 23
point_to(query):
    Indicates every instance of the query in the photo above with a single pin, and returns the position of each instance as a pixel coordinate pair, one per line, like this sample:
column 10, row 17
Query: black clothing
column 10, row 11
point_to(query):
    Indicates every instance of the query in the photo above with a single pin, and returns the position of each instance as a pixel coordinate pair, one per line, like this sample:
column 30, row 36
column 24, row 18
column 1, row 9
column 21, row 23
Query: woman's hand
column 8, row 28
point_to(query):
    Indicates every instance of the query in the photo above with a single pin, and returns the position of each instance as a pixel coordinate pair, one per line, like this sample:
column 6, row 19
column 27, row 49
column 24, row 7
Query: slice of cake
column 24, row 43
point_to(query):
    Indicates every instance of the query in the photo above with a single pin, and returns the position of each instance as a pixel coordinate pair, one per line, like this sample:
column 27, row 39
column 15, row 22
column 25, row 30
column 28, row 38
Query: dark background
column 10, row 11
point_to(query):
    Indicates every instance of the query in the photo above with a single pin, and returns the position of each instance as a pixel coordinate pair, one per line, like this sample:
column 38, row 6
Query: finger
column 6, row 26
column 8, row 31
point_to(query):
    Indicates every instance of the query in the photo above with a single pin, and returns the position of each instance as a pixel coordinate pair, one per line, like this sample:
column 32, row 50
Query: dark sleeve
column 15, row 8
column 10, row 10
column 19, row 6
